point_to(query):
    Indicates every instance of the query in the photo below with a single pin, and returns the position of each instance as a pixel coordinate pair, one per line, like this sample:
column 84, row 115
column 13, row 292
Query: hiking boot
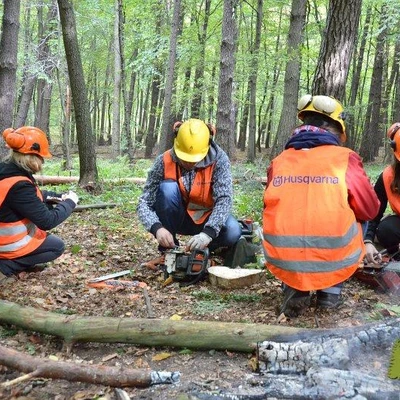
column 328, row 300
column 36, row 268
column 294, row 301
column 6, row 280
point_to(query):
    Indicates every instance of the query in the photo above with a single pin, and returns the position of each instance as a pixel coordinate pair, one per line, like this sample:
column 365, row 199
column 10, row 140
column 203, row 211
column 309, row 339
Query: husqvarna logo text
column 304, row 179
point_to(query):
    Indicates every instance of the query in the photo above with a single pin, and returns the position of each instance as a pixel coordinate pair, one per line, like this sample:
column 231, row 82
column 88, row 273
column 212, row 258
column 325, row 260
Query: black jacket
column 22, row 201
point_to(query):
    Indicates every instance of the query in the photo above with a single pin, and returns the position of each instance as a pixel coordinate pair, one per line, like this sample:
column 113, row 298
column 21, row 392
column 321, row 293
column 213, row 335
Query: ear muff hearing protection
column 27, row 140
column 393, row 133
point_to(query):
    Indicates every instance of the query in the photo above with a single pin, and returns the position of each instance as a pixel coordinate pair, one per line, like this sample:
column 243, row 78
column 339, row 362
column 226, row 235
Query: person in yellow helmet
column 189, row 192
column 24, row 215
column 385, row 230
column 316, row 199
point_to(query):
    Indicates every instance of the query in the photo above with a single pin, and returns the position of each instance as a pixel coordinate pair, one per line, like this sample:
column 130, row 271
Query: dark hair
column 321, row 121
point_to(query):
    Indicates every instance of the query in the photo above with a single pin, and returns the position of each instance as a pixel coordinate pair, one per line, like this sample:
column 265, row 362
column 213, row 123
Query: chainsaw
column 186, row 267
column 384, row 276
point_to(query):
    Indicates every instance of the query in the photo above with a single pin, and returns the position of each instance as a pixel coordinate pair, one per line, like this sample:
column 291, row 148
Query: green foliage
column 30, row 348
column 206, row 295
column 75, row 248
column 382, row 310
column 7, row 331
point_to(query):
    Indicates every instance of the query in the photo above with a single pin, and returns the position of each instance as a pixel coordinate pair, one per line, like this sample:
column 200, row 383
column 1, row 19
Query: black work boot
column 294, row 301
column 328, row 300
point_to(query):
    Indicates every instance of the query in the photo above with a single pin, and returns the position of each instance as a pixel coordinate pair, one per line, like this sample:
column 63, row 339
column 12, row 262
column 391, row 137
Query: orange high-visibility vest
column 311, row 237
column 393, row 198
column 199, row 201
column 18, row 238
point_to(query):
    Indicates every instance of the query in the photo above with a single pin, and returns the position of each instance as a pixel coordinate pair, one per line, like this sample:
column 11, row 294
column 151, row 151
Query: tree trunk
column 292, row 76
column 167, row 137
column 116, row 103
column 251, row 149
column 225, row 108
column 205, row 335
column 351, row 124
column 8, row 65
column 337, row 48
column 101, row 375
column 45, row 78
column 371, row 138
column 86, row 144
column 198, row 83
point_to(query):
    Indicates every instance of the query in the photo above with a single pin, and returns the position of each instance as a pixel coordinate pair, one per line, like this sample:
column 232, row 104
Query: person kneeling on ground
column 24, row 215
column 387, row 187
column 316, row 198
column 189, row 192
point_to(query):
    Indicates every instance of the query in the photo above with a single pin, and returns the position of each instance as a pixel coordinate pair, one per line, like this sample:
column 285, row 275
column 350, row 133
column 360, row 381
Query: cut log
column 59, row 180
column 234, row 278
column 97, row 374
column 81, row 207
column 204, row 335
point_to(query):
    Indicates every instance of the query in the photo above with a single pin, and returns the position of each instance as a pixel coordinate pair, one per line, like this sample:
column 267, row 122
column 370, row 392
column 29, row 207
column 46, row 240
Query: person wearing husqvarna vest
column 25, row 215
column 316, row 198
column 189, row 192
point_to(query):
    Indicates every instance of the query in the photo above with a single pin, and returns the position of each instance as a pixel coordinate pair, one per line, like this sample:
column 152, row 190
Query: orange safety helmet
column 27, row 140
column 393, row 133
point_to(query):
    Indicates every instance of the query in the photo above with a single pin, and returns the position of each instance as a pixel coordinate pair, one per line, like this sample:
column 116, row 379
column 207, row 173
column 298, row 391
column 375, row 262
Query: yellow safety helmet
column 325, row 105
column 192, row 140
column 393, row 134
column 27, row 140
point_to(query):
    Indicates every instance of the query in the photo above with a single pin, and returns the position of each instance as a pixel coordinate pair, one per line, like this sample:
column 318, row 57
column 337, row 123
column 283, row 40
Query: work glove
column 200, row 241
column 72, row 196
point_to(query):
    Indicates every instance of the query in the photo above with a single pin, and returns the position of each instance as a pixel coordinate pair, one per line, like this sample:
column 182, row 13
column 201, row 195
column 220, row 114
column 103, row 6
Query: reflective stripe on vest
column 393, row 198
column 21, row 237
column 311, row 244
column 199, row 201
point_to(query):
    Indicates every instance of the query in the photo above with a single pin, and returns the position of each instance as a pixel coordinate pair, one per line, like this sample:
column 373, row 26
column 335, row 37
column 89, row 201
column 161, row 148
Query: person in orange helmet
column 386, row 229
column 316, row 199
column 24, row 214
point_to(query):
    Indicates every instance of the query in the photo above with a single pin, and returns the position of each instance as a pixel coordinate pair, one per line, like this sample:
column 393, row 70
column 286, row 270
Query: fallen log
column 81, row 207
column 59, row 180
column 201, row 335
column 89, row 373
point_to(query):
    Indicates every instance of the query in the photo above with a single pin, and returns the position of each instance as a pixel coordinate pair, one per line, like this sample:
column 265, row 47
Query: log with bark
column 203, row 335
column 59, row 180
column 35, row 367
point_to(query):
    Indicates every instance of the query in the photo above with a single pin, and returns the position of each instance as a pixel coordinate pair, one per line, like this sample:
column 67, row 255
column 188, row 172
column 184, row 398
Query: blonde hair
column 29, row 162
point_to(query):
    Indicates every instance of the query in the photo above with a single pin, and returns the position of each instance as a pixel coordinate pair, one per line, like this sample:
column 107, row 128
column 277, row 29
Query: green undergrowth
column 248, row 192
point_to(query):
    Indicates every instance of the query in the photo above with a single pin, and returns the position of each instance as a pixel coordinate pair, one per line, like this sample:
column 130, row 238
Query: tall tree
column 292, row 76
column 8, row 64
column 371, row 138
column 116, row 103
column 251, row 149
column 226, row 117
column 166, row 128
column 337, row 48
column 88, row 177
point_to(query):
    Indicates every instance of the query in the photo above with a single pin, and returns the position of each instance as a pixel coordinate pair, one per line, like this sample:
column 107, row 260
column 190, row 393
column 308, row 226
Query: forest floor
column 97, row 244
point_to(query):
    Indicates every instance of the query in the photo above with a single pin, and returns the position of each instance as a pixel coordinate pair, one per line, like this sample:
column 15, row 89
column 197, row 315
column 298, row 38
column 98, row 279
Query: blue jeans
column 173, row 215
column 49, row 250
